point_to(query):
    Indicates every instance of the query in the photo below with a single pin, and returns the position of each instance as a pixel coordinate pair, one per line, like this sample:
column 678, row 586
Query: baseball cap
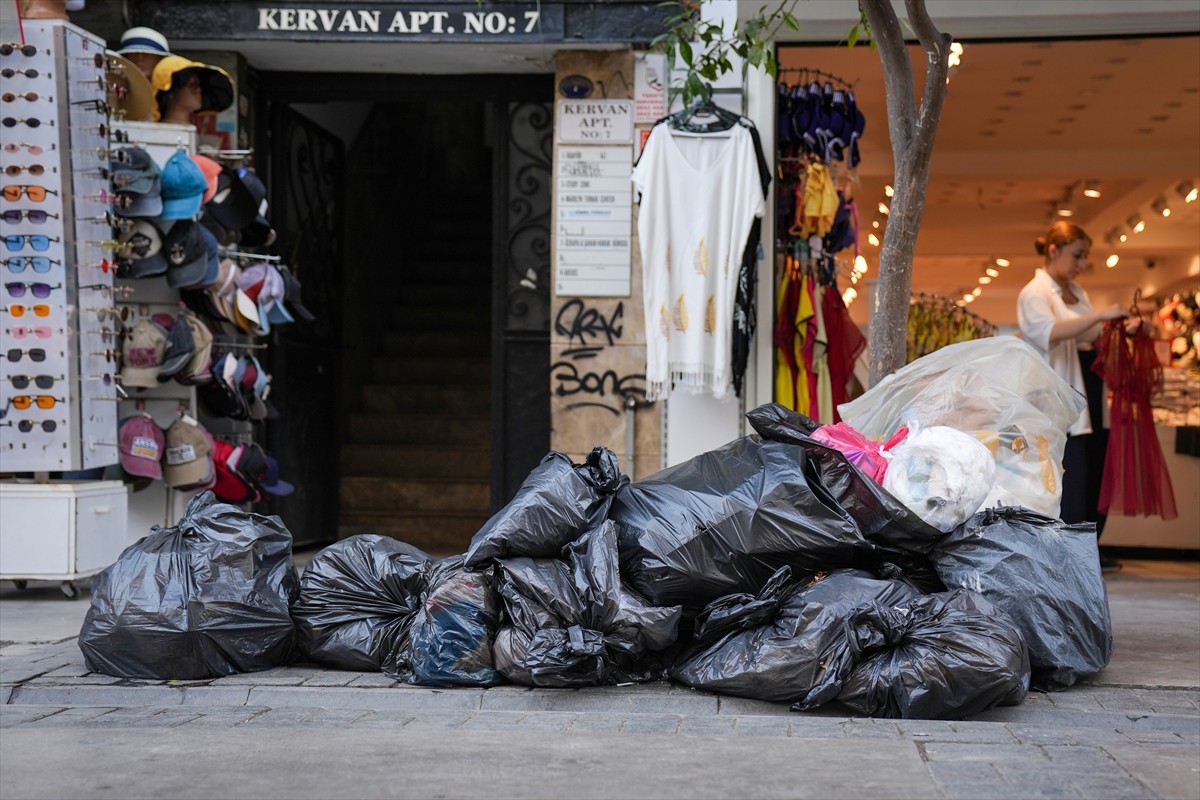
column 271, row 481
column 139, row 254
column 212, row 267
column 147, row 204
column 197, row 368
column 270, row 300
column 142, row 354
column 141, row 442
column 143, row 40
column 229, row 486
column 233, row 207
column 183, row 187
column 188, row 459
column 211, row 170
column 179, row 346
column 135, row 171
column 291, row 294
column 257, row 232
column 186, row 253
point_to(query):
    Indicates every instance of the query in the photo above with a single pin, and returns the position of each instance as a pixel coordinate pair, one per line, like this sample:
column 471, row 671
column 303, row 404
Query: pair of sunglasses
column 40, row 381
column 28, row 73
column 18, row 310
column 15, row 354
column 36, row 216
column 16, row 169
column 8, row 49
column 17, row 289
column 12, row 97
column 22, row 402
column 37, row 194
column 15, row 147
column 38, row 241
column 40, row 331
column 17, row 264
column 27, row 425
column 33, row 122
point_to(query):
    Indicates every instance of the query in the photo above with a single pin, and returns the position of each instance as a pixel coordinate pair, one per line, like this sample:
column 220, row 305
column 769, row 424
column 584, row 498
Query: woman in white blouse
column 1057, row 318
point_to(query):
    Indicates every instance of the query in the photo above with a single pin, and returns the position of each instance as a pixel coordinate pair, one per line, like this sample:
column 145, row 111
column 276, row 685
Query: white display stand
column 60, row 530
column 156, row 504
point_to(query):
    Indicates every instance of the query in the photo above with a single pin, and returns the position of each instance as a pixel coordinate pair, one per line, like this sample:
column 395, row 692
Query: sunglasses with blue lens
column 17, row 264
column 38, row 241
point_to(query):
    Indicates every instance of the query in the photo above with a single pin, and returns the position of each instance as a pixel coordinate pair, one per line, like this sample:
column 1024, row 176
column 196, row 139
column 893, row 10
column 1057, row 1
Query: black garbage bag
column 571, row 623
column 788, row 643
column 450, row 642
column 724, row 521
column 357, row 601
column 557, row 502
column 942, row 656
column 201, row 599
column 879, row 516
column 1046, row 574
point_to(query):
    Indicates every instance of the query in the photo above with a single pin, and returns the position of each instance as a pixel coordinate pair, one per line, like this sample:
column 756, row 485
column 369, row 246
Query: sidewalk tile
column 11, row 716
column 386, row 718
column 870, row 729
column 281, row 718
column 996, row 754
column 763, row 726
column 1095, row 736
column 1040, row 734
column 143, row 718
column 376, row 679
column 1152, row 736
column 708, row 726
column 745, row 705
column 330, row 678
column 651, row 723
column 223, row 718
column 597, row 723
column 70, row 717
column 351, row 697
column 439, row 720
column 543, row 721
column 337, row 717
column 495, row 720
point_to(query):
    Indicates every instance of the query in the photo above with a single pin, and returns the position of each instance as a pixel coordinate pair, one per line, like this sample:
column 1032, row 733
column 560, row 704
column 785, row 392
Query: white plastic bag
column 942, row 474
column 998, row 389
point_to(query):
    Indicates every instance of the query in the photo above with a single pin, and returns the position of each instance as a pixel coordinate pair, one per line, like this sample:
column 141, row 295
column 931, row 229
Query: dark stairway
column 416, row 457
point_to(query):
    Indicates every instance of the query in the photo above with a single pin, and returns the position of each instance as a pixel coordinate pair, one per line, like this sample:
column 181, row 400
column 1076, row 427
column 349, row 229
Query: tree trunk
column 912, row 132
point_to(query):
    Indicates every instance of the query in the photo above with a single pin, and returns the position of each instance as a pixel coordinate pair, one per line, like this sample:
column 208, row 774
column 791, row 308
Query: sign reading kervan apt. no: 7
column 525, row 22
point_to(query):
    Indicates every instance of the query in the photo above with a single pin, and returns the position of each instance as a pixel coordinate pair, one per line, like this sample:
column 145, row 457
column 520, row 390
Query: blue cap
column 183, row 187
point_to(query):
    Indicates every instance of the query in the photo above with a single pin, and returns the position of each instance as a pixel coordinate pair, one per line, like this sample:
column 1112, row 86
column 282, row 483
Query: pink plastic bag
column 864, row 453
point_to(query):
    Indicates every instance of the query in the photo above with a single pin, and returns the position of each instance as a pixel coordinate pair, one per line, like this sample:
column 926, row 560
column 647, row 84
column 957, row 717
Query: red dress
column 1135, row 480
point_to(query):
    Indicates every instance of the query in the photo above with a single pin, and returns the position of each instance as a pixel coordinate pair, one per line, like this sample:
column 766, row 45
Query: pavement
column 1131, row 731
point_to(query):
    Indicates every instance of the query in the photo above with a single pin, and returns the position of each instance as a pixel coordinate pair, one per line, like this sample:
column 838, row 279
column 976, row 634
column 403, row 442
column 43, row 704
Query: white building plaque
column 593, row 121
column 594, row 225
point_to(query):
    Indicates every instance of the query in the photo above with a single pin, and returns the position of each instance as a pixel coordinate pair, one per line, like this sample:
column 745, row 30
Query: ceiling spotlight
column 1187, row 190
column 1135, row 223
column 985, row 279
column 1091, row 189
column 860, row 265
column 968, row 297
column 1065, row 207
column 1002, row 262
column 888, row 190
column 1124, row 237
column 992, row 273
column 977, row 291
column 873, row 239
column 883, row 209
column 1159, row 206
column 1112, row 260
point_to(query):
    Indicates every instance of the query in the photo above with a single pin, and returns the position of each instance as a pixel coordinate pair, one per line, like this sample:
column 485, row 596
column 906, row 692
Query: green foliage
column 752, row 40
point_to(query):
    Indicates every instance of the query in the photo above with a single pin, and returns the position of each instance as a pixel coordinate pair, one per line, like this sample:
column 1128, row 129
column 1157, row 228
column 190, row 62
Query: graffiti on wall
column 580, row 375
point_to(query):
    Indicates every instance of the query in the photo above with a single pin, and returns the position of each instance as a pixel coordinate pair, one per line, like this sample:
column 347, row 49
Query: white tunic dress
column 699, row 197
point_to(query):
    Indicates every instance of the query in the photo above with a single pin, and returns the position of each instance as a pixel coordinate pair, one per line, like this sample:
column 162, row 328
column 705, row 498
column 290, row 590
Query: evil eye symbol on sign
column 575, row 87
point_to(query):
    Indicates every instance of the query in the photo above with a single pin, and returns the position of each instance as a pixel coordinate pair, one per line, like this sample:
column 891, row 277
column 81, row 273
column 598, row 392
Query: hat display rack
column 58, row 386
column 197, row 390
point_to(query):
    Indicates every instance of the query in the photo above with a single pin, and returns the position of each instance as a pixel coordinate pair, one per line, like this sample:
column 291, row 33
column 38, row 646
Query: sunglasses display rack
column 58, row 375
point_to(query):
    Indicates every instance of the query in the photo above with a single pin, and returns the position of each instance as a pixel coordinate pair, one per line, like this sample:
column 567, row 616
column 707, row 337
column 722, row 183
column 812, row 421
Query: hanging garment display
column 1136, row 480
column 935, row 321
column 699, row 196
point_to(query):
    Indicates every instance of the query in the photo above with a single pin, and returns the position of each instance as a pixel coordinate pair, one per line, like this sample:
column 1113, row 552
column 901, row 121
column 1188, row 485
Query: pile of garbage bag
column 773, row 567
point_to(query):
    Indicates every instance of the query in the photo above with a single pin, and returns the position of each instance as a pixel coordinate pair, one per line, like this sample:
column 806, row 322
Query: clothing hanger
column 704, row 117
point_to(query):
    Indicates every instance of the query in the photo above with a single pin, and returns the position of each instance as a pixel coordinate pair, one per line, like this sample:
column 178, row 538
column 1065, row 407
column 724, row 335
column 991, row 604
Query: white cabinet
column 61, row 530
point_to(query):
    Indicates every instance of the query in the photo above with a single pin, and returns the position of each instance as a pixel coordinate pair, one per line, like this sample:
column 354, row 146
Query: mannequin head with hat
column 183, row 87
column 145, row 47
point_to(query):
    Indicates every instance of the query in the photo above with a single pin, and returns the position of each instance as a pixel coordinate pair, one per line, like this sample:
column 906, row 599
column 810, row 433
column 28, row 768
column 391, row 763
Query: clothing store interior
column 1100, row 132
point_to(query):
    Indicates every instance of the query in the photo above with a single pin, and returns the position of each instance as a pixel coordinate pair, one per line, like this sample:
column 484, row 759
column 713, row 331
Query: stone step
column 470, row 401
column 447, row 370
column 450, row 343
column 438, row 534
column 428, row 429
column 431, row 318
column 434, row 462
column 384, row 495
